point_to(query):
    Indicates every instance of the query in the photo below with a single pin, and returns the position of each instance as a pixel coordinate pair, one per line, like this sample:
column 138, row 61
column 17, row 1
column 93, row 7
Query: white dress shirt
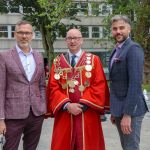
column 27, row 61
column 78, row 54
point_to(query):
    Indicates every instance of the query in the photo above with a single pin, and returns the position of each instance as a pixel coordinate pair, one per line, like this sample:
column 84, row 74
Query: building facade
column 91, row 13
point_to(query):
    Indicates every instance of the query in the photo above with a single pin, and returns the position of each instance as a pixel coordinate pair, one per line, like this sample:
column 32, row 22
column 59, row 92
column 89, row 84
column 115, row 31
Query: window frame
column 4, row 33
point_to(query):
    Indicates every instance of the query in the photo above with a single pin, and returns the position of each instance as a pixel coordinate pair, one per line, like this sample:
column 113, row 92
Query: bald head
column 75, row 32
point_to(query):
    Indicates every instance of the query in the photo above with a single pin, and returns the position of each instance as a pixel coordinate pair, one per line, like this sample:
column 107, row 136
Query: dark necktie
column 73, row 62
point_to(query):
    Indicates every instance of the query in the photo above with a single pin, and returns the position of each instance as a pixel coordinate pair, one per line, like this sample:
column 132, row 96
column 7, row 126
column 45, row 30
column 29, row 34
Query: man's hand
column 112, row 119
column 126, row 124
column 74, row 108
column 2, row 127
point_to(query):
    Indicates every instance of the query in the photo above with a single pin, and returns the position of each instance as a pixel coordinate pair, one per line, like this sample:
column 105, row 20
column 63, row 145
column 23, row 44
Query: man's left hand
column 126, row 124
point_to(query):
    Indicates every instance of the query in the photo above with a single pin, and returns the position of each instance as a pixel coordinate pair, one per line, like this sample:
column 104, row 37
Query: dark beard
column 124, row 38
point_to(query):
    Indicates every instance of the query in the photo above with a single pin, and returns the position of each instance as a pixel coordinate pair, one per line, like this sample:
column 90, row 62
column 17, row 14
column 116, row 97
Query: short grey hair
column 22, row 22
column 120, row 17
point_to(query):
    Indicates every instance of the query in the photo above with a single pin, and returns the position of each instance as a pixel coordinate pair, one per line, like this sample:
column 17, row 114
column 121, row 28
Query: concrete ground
column 110, row 134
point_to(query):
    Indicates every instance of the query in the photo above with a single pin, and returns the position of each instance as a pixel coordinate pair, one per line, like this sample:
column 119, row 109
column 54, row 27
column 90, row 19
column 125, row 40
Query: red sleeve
column 97, row 94
column 56, row 96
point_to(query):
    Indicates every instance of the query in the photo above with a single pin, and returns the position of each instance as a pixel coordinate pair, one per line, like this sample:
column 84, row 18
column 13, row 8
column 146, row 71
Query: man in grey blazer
column 22, row 91
column 126, row 97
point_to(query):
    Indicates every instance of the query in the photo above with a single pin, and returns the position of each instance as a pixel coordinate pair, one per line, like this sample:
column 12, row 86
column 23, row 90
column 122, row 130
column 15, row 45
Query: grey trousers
column 131, row 141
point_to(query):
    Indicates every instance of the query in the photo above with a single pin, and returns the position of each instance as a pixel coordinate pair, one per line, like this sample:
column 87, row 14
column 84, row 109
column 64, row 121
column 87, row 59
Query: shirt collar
column 119, row 45
column 78, row 54
column 20, row 51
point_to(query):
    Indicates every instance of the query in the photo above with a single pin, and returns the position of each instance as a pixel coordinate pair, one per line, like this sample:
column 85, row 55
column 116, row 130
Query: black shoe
column 103, row 118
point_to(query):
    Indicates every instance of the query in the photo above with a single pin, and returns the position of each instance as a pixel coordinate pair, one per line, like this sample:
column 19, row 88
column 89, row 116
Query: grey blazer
column 17, row 94
column 126, row 96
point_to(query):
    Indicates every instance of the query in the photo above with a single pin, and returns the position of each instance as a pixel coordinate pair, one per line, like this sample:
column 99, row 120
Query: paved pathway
column 110, row 134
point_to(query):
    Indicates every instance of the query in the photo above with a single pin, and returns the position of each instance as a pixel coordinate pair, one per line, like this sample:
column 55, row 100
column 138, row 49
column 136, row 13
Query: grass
column 147, row 87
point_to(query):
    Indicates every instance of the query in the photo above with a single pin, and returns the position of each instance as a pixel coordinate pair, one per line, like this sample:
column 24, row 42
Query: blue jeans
column 130, row 141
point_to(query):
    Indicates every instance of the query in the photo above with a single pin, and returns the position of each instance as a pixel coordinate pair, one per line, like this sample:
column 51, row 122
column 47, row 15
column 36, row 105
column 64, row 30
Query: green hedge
column 147, row 87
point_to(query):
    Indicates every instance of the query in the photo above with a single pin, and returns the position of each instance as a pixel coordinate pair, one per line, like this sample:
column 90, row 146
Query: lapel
column 120, row 53
column 18, row 61
column 67, row 60
column 123, row 48
column 66, row 55
column 35, row 55
column 111, row 55
column 81, row 60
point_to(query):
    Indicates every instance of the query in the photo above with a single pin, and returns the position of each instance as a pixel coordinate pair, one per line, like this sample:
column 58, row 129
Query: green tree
column 3, row 8
column 45, row 15
column 138, row 12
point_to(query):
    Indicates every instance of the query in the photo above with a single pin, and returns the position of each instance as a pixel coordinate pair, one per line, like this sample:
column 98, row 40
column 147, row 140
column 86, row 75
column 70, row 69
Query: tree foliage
column 3, row 8
column 139, row 13
column 45, row 15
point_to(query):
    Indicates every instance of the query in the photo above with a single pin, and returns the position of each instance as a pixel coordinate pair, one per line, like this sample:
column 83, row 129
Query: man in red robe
column 77, row 94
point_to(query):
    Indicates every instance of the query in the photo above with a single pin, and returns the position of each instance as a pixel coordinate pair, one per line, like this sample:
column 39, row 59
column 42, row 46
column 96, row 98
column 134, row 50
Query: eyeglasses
column 72, row 38
column 24, row 33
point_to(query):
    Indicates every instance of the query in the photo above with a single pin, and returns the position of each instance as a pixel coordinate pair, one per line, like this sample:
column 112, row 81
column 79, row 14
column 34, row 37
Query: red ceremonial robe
column 86, row 84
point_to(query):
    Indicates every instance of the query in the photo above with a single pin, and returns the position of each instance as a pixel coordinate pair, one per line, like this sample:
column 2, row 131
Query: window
column 82, row 9
column 14, row 9
column 38, row 35
column 12, row 31
column 7, row 31
column 27, row 9
column 85, row 31
column 3, row 32
column 95, row 32
column 95, row 9
column 101, row 9
column 106, row 9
